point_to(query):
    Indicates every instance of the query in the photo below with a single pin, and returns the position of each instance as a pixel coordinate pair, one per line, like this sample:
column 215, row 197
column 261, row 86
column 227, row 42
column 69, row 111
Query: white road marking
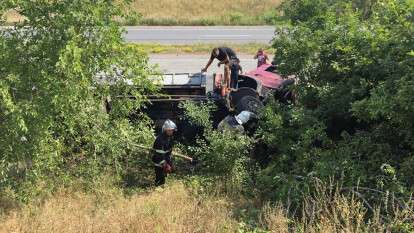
column 186, row 35
column 224, row 36
column 201, row 29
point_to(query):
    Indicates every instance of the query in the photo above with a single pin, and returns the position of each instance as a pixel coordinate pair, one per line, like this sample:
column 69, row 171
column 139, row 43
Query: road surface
column 193, row 35
column 169, row 63
column 197, row 34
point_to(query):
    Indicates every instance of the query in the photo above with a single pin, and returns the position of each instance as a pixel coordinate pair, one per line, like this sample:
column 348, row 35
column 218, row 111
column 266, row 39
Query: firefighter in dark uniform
column 162, row 152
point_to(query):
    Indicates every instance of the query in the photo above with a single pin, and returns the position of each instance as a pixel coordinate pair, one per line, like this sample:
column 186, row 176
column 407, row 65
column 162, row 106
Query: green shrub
column 52, row 123
column 223, row 154
column 133, row 19
column 236, row 17
column 353, row 118
column 270, row 17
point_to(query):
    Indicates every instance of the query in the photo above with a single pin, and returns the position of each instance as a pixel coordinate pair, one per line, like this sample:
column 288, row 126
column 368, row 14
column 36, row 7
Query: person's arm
column 208, row 65
column 255, row 56
column 209, row 62
column 241, row 70
column 267, row 59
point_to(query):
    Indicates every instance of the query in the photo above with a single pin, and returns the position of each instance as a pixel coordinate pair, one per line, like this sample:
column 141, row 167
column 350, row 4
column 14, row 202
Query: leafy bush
column 353, row 118
column 273, row 17
column 236, row 17
column 52, row 123
column 223, row 154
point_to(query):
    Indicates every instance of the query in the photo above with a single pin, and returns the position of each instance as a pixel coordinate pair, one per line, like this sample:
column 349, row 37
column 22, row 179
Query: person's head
column 169, row 127
column 237, row 61
column 215, row 52
column 260, row 50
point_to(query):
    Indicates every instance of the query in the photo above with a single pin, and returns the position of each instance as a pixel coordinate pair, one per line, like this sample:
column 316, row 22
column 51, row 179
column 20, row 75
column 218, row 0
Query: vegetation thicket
column 354, row 111
column 53, row 127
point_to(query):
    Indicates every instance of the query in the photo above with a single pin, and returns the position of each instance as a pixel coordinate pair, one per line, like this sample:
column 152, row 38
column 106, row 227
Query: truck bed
column 176, row 88
column 183, row 86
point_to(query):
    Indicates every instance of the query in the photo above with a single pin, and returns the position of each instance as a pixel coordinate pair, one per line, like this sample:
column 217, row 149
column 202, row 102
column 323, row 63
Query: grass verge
column 207, row 12
column 250, row 48
column 200, row 13
column 221, row 21
column 179, row 208
column 172, row 209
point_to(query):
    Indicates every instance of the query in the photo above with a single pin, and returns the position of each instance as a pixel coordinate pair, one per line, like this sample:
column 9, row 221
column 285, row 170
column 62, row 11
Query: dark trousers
column 159, row 176
column 234, row 79
column 234, row 76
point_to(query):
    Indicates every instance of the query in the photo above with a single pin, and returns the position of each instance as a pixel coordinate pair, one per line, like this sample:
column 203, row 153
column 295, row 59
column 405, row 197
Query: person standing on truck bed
column 162, row 152
column 236, row 69
column 225, row 56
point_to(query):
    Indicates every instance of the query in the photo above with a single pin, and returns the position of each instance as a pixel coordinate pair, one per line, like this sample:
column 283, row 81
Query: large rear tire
column 249, row 103
column 237, row 95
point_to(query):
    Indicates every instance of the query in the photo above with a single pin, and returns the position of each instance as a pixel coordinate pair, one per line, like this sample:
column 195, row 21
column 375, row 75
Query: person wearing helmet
column 235, row 123
column 162, row 152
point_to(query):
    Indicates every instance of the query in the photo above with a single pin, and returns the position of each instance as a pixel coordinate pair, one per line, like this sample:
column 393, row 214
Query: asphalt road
column 198, row 34
column 193, row 35
column 188, row 63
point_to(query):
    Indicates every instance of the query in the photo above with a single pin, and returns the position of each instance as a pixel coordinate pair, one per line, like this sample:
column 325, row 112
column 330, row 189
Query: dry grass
column 330, row 210
column 189, row 9
column 189, row 12
column 207, row 12
column 170, row 210
column 175, row 209
column 12, row 17
column 274, row 219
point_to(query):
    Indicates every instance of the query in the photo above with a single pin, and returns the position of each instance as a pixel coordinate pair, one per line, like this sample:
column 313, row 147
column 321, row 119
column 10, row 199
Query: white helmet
column 244, row 117
column 169, row 124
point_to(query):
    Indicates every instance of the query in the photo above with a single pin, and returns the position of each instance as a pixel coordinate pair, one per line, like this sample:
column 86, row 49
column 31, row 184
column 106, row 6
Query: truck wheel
column 249, row 103
column 236, row 96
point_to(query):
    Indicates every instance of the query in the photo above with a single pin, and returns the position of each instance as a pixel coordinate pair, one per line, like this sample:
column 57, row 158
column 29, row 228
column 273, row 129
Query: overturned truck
column 253, row 91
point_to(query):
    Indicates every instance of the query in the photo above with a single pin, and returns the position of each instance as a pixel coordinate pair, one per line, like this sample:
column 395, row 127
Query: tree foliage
column 354, row 117
column 51, row 119
column 220, row 152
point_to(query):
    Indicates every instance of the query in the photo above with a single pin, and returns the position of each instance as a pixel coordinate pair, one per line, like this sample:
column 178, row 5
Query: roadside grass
column 172, row 209
column 151, row 48
column 181, row 208
column 200, row 13
column 207, row 12
column 236, row 19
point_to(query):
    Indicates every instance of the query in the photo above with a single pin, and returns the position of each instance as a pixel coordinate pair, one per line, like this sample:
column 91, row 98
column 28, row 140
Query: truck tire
column 249, row 103
column 236, row 96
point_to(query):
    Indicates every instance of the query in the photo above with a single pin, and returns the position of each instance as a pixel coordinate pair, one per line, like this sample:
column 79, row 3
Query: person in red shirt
column 261, row 57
